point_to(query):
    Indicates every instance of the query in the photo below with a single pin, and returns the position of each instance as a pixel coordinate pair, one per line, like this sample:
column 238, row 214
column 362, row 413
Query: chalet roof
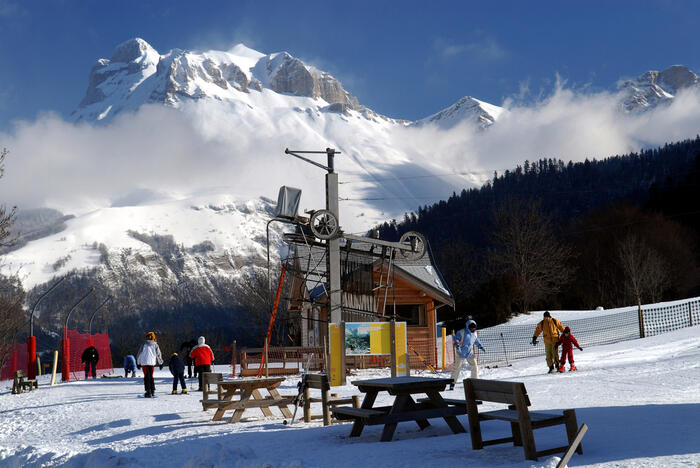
column 421, row 273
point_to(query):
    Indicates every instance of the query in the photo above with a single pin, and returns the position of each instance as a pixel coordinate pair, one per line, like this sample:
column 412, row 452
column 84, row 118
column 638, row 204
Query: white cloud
column 179, row 152
column 484, row 50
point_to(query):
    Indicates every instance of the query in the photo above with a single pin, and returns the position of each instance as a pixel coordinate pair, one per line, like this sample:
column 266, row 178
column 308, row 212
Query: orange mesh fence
column 79, row 342
column 17, row 360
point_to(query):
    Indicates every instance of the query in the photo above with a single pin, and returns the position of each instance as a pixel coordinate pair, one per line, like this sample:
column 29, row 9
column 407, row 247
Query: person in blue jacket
column 129, row 365
column 464, row 341
column 177, row 368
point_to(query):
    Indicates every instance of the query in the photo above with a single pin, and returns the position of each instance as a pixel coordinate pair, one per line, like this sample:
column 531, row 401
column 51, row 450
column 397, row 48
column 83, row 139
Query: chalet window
column 412, row 314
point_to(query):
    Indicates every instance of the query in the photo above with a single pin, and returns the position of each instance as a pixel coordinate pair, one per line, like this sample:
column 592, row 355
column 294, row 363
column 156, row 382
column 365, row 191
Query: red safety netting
column 78, row 343
column 17, row 361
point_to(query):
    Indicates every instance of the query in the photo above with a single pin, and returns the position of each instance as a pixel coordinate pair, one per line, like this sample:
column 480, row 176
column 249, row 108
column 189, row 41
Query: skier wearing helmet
column 147, row 358
column 464, row 341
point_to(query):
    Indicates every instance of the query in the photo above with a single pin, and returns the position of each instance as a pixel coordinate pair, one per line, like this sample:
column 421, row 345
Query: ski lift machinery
column 324, row 224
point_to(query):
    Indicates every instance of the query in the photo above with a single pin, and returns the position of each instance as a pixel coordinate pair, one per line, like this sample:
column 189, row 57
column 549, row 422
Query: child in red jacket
column 567, row 342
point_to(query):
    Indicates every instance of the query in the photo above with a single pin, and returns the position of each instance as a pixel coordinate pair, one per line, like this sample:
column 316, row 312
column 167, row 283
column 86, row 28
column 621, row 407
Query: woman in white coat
column 148, row 358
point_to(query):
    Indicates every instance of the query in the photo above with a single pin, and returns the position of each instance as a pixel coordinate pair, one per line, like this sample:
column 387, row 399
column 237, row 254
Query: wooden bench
column 522, row 420
column 209, row 379
column 320, row 382
column 20, row 383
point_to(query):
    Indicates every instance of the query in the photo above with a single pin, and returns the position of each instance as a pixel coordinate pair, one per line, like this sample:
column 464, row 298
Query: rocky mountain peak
column 653, row 87
column 137, row 74
column 467, row 108
column 131, row 50
column 677, row 77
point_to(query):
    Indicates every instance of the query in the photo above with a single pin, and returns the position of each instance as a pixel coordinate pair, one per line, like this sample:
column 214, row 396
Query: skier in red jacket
column 567, row 342
column 202, row 357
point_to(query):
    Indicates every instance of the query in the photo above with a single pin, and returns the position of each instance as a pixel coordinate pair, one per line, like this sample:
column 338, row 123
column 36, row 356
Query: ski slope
column 640, row 399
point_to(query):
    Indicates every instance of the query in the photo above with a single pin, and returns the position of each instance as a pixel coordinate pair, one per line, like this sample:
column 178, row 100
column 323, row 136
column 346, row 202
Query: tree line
column 551, row 234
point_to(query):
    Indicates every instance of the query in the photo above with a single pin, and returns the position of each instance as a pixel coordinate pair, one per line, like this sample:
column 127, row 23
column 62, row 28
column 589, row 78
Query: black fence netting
column 506, row 343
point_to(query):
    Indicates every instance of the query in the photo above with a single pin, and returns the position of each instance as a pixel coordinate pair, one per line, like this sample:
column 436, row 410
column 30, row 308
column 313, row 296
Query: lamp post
column 31, row 339
column 65, row 368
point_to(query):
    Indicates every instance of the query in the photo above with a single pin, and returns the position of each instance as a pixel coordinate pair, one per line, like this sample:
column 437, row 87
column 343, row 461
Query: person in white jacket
column 148, row 358
column 465, row 340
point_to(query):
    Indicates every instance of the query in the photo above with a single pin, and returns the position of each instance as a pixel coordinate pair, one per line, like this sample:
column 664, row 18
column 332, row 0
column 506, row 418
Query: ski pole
column 298, row 400
column 504, row 349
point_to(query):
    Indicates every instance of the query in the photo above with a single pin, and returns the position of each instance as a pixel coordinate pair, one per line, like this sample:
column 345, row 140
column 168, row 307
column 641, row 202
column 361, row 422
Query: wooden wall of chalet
column 422, row 338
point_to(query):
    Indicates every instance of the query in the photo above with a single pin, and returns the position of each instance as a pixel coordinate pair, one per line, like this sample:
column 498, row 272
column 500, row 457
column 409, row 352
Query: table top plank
column 403, row 383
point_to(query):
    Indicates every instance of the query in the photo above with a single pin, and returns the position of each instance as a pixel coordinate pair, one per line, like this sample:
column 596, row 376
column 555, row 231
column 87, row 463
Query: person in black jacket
column 185, row 350
column 177, row 368
column 90, row 357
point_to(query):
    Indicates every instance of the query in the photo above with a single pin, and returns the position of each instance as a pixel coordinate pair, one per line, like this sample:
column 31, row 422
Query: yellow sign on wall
column 379, row 338
column 401, row 342
column 365, row 339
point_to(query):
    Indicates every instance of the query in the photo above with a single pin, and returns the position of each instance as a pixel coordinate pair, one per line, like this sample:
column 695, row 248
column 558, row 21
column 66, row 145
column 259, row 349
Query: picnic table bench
column 405, row 408
column 209, row 382
column 249, row 392
column 522, row 420
column 20, row 383
column 327, row 400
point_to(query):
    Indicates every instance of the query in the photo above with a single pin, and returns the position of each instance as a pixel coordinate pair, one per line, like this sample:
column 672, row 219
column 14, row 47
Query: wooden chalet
column 373, row 289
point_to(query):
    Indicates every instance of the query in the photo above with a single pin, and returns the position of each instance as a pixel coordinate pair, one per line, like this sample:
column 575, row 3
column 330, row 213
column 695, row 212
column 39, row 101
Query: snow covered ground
column 640, row 399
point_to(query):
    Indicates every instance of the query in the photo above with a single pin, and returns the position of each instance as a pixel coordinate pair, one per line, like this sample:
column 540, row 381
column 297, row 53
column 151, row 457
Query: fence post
column 31, row 357
column 65, row 364
column 640, row 317
column 444, row 348
column 690, row 312
column 234, row 358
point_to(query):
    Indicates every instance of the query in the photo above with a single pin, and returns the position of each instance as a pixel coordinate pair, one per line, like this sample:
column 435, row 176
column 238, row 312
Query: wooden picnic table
column 405, row 408
column 249, row 391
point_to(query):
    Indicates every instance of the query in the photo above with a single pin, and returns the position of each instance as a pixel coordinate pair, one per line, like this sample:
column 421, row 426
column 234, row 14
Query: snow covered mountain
column 137, row 74
column 655, row 88
column 466, row 109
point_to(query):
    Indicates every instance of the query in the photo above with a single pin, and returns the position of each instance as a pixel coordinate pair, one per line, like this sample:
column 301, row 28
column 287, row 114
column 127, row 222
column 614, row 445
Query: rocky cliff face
column 137, row 74
column 653, row 88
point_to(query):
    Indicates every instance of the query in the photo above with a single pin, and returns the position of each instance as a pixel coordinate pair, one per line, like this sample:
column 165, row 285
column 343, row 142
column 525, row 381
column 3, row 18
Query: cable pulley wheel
column 417, row 242
column 324, row 224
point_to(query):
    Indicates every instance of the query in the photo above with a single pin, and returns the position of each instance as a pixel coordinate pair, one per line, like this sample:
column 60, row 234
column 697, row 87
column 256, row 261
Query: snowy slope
column 234, row 231
column 640, row 399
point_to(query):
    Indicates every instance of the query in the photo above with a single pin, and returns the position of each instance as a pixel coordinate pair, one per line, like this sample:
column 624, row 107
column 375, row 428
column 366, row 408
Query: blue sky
column 404, row 59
